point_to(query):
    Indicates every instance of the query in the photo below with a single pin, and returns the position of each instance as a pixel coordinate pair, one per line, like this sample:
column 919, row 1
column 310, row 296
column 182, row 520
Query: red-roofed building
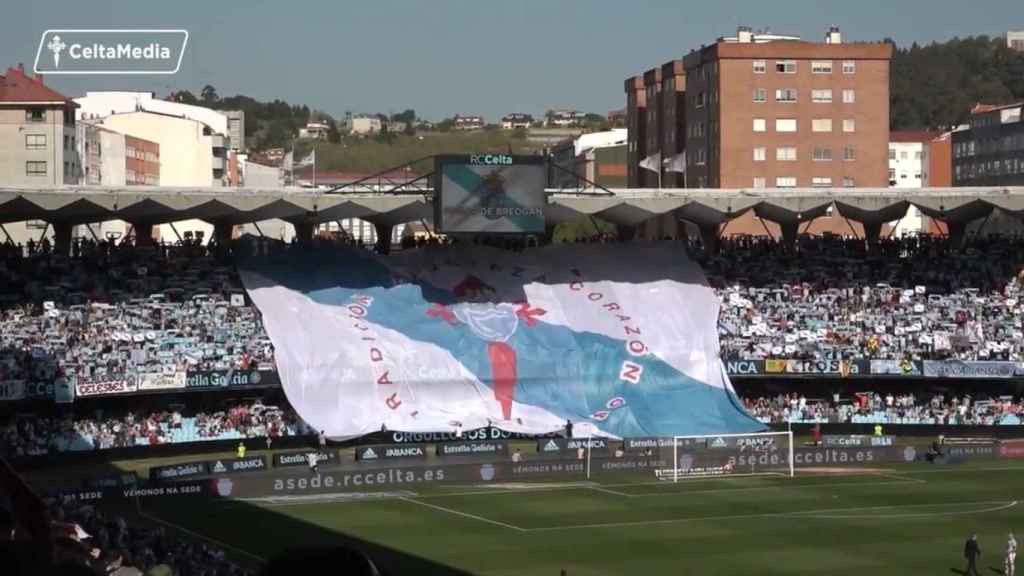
column 37, row 145
column 37, row 132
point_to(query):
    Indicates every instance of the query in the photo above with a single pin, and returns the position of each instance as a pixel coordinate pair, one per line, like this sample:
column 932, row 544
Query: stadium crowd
column 104, row 544
column 876, row 408
column 33, row 436
column 114, row 311
column 915, row 298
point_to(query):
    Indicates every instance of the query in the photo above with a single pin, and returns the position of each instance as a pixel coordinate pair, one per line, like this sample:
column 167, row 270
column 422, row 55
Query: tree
column 184, row 97
column 445, row 125
column 934, row 86
column 209, row 94
column 408, row 116
column 333, row 135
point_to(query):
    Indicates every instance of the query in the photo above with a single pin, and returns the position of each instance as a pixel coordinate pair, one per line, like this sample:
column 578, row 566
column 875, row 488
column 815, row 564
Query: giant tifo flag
column 621, row 339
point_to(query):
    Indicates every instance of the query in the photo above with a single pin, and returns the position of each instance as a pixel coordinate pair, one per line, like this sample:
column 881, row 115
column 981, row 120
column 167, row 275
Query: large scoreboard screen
column 489, row 194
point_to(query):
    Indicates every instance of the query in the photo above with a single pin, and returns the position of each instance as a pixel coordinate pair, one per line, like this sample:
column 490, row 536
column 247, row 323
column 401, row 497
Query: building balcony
column 219, row 141
column 219, row 163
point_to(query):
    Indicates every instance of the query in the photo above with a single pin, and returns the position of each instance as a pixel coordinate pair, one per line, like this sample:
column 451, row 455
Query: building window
column 917, row 155
column 822, row 154
column 759, row 66
column 759, row 154
column 821, row 125
column 700, row 100
column 35, row 141
column 892, row 153
column 760, row 95
column 821, row 67
column 785, row 182
column 848, row 182
column 903, row 155
column 700, row 157
column 785, row 154
column 759, row 182
column 785, row 124
column 35, row 168
column 849, row 153
column 892, row 176
column 785, row 66
column 785, row 95
column 822, row 95
column 849, row 67
column 821, row 181
column 759, row 125
column 35, row 115
column 849, row 125
column 849, row 96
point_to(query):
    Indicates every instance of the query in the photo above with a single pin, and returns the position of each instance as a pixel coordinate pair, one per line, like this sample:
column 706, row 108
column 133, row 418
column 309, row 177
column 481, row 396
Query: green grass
column 907, row 519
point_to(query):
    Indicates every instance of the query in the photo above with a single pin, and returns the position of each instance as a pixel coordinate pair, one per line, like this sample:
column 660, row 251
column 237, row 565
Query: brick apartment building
column 636, row 124
column 672, row 123
column 786, row 113
column 765, row 111
column 142, row 161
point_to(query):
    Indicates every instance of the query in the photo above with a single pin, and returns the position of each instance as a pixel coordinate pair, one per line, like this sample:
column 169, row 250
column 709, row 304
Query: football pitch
column 906, row 519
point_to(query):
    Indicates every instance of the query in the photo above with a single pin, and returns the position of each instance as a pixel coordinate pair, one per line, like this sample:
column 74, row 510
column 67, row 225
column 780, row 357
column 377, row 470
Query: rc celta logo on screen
column 110, row 51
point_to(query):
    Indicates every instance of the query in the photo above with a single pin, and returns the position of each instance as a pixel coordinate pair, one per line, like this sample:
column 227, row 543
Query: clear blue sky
column 470, row 56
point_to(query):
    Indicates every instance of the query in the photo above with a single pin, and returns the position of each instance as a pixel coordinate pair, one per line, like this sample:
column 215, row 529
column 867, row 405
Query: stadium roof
column 155, row 205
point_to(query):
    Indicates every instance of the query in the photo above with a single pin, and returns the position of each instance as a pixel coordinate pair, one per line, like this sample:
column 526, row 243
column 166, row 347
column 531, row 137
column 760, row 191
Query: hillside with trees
column 934, row 86
column 267, row 124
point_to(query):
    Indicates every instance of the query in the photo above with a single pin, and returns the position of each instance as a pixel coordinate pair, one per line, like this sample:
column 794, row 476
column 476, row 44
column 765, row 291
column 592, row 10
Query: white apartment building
column 364, row 125
column 191, row 154
column 1015, row 40
column 908, row 168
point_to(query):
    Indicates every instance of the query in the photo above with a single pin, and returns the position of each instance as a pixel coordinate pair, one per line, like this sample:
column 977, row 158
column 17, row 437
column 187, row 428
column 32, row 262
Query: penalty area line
column 194, row 534
column 464, row 514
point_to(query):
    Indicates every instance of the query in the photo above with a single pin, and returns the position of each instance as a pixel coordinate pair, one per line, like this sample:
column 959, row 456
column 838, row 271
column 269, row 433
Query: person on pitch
column 313, row 459
column 1011, row 556
column 971, row 552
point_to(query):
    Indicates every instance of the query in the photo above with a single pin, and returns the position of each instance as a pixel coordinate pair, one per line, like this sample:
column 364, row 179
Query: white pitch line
column 465, row 515
column 213, row 541
column 903, row 478
column 791, row 515
column 911, row 515
column 780, row 487
column 612, row 492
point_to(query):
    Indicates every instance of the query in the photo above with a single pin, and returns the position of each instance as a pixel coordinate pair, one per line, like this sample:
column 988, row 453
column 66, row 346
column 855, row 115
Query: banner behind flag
column 471, row 335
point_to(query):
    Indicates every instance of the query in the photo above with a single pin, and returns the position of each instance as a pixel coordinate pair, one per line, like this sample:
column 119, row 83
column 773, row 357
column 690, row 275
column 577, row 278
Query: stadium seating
column 105, row 543
column 78, row 432
column 914, row 298
column 872, row 408
column 119, row 311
